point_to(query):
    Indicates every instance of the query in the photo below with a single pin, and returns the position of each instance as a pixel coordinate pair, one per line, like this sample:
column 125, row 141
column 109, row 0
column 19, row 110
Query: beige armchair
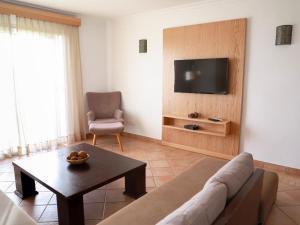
column 105, row 115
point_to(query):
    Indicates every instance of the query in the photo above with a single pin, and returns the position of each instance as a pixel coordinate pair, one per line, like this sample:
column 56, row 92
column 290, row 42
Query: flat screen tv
column 207, row 76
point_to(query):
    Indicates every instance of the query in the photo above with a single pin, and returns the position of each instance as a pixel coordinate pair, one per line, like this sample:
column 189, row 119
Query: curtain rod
column 39, row 13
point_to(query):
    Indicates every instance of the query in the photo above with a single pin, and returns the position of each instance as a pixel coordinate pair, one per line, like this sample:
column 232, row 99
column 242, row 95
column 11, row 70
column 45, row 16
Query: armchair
column 104, row 115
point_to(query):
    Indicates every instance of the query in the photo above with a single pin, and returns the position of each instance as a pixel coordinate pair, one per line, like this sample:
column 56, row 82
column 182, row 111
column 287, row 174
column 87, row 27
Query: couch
column 10, row 214
column 244, row 208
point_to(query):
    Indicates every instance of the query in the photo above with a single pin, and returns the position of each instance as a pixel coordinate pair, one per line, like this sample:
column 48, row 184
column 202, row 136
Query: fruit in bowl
column 76, row 158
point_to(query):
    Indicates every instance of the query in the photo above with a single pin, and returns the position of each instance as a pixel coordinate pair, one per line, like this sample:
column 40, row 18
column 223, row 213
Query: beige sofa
column 10, row 214
column 243, row 208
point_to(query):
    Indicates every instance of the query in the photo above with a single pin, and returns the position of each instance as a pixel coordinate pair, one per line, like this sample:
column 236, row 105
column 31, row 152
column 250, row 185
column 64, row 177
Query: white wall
column 93, row 47
column 271, row 127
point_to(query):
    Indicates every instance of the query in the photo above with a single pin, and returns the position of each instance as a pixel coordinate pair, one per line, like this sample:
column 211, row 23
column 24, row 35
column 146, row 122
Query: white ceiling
column 107, row 8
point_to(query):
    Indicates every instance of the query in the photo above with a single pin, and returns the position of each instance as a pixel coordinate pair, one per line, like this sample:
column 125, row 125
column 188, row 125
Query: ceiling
column 107, row 8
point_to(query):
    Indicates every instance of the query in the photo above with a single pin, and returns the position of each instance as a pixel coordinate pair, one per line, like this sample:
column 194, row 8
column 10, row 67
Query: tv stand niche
column 207, row 127
column 224, row 39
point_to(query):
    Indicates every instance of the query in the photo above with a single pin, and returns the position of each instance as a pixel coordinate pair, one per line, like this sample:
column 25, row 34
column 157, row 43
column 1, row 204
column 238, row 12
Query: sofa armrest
column 90, row 116
column 118, row 114
column 10, row 213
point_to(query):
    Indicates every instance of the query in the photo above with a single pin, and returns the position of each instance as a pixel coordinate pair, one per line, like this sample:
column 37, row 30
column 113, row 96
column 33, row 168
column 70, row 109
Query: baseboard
column 130, row 135
column 260, row 164
column 141, row 137
column 201, row 151
column 277, row 168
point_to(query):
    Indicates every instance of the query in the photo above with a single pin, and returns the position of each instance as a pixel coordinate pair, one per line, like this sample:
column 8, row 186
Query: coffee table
column 71, row 182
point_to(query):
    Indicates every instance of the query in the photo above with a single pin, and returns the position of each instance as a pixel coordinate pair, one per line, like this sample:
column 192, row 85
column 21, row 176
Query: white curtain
column 40, row 85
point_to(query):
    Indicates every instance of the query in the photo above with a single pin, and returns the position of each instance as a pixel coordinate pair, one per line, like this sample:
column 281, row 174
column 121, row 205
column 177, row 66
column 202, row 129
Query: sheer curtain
column 40, row 85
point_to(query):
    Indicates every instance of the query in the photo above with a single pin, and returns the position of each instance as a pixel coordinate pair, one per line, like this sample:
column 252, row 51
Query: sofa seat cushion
column 10, row 214
column 203, row 208
column 154, row 206
column 104, row 128
column 268, row 195
column 235, row 173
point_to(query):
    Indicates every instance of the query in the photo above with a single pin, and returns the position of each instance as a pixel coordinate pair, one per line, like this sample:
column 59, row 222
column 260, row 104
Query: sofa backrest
column 234, row 174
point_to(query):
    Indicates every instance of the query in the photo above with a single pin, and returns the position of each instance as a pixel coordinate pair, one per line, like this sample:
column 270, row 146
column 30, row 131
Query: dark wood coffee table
column 71, row 182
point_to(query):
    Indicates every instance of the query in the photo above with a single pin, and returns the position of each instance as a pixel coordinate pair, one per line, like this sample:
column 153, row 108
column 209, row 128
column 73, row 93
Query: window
column 34, row 86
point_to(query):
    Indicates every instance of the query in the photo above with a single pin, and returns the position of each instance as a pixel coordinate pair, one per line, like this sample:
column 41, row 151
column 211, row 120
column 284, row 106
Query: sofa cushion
column 234, row 174
column 160, row 202
column 10, row 214
column 203, row 208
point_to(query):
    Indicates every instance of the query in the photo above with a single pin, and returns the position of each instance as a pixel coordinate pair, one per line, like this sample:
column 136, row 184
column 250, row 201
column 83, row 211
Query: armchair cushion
column 106, row 128
column 104, row 105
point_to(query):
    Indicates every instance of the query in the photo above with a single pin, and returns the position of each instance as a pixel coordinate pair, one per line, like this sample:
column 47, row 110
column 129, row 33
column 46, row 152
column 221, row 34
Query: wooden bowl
column 78, row 161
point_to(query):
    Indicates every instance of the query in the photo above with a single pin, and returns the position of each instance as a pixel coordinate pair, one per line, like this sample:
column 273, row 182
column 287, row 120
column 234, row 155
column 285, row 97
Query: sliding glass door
column 33, row 90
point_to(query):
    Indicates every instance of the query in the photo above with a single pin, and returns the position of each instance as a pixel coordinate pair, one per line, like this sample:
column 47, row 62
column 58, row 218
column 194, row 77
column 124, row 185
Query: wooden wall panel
column 211, row 40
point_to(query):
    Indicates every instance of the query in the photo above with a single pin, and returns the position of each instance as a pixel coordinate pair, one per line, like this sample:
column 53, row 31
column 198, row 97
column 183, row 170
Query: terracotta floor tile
column 162, row 180
column 277, row 217
column 117, row 196
column 111, row 208
column 94, row 196
column 162, row 171
column 148, row 172
column 159, row 163
column 149, row 189
column 11, row 188
column 176, row 154
column 42, row 198
column 118, row 184
column 53, row 200
column 6, row 168
column 34, row 211
column 17, row 200
column 150, row 182
column 50, row 214
column 40, row 188
column 155, row 156
column 293, row 212
column 7, row 177
column 288, row 198
column 178, row 169
column 285, row 187
column 93, row 211
column 4, row 185
column 180, row 163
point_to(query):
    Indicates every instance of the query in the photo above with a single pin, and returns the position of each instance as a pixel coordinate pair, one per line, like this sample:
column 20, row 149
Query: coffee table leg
column 70, row 211
column 25, row 185
column 135, row 183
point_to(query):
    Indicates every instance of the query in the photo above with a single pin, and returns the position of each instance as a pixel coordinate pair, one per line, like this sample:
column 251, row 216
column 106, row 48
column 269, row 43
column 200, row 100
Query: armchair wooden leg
column 94, row 139
column 119, row 140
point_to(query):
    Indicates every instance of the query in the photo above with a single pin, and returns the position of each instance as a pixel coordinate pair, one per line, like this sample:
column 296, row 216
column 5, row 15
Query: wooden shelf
column 202, row 120
column 207, row 127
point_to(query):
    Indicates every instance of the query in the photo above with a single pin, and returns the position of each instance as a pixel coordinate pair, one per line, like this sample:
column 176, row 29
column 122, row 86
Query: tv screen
column 208, row 76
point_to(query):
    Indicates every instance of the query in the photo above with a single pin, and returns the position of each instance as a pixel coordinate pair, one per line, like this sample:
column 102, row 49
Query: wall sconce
column 284, row 35
column 143, row 46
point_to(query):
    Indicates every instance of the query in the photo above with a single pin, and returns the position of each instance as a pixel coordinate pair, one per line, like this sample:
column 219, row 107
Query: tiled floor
column 163, row 164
